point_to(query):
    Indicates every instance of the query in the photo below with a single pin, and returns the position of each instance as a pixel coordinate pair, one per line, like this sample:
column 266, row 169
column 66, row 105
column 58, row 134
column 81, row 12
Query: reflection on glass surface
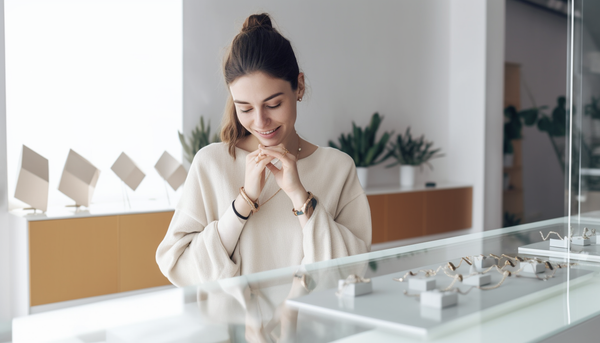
column 263, row 307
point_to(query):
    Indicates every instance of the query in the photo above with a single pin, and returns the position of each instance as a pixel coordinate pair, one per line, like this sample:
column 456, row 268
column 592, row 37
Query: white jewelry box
column 578, row 240
column 533, row 268
column 355, row 289
column 421, row 284
column 478, row 280
column 483, row 262
column 437, row 299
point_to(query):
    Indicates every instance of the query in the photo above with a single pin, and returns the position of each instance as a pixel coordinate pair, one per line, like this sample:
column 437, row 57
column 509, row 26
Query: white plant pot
column 407, row 176
column 363, row 176
column 508, row 160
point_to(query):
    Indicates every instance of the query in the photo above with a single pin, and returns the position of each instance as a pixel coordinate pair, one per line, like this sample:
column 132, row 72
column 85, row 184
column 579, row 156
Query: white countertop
column 97, row 210
column 162, row 205
column 377, row 190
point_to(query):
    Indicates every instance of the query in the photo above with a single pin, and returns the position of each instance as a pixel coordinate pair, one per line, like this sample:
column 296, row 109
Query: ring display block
column 421, row 284
column 558, row 243
column 533, row 268
column 578, row 240
column 437, row 299
column 355, row 289
column 483, row 262
column 478, row 280
column 171, row 170
column 79, row 179
column 593, row 239
column 33, row 182
column 436, row 315
column 128, row 171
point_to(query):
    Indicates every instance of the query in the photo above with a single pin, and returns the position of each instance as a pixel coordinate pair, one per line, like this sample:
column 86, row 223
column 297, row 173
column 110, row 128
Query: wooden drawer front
column 448, row 210
column 72, row 259
column 399, row 216
column 406, row 214
column 139, row 237
column 378, row 204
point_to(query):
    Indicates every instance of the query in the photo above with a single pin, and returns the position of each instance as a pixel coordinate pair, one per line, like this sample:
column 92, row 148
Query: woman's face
column 266, row 106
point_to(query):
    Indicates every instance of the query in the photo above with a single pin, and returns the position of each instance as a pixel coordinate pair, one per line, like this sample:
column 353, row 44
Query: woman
column 246, row 205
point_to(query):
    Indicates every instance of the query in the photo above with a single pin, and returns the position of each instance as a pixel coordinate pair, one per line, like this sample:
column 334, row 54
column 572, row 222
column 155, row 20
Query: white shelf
column 97, row 210
column 391, row 189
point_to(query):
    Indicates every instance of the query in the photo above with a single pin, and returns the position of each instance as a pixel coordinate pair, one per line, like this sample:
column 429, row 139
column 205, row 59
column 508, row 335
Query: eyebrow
column 267, row 99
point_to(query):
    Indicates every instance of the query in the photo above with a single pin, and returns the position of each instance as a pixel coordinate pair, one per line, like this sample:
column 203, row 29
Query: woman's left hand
column 287, row 177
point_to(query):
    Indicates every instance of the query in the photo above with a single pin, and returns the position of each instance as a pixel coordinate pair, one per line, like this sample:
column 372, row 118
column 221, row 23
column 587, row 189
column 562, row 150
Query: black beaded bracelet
column 236, row 212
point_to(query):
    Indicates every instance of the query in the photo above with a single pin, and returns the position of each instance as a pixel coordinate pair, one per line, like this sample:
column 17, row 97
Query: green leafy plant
column 414, row 152
column 593, row 109
column 198, row 140
column 511, row 219
column 555, row 124
column 361, row 145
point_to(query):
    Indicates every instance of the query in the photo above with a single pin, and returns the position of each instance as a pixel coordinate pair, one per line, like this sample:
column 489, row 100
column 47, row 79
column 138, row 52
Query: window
column 99, row 77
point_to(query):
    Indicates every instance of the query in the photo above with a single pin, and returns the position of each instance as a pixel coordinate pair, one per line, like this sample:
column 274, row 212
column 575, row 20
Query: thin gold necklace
column 297, row 155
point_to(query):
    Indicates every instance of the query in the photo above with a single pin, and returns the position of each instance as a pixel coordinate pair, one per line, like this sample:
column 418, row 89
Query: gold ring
column 285, row 152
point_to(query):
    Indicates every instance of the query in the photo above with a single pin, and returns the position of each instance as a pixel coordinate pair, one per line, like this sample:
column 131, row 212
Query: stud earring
column 299, row 99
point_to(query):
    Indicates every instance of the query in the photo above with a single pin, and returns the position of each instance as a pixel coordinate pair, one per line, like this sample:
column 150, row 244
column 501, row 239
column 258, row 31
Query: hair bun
column 257, row 21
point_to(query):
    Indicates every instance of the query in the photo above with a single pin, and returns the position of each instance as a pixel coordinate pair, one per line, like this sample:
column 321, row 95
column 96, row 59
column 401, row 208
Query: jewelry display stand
column 421, row 284
column 578, row 252
column 388, row 308
column 355, row 289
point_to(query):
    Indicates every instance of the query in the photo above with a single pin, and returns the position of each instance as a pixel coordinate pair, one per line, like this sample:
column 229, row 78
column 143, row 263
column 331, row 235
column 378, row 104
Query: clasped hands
column 287, row 177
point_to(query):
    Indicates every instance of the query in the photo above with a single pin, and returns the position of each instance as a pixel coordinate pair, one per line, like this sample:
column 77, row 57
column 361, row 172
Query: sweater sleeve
column 340, row 231
column 192, row 251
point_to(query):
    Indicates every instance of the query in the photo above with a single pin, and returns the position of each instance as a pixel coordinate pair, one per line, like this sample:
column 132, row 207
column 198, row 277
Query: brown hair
column 258, row 47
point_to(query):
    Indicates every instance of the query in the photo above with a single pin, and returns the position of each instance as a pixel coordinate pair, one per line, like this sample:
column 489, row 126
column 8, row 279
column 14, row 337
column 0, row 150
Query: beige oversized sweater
column 192, row 251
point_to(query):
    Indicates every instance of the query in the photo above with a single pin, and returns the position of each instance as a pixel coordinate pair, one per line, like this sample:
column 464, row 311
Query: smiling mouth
column 268, row 132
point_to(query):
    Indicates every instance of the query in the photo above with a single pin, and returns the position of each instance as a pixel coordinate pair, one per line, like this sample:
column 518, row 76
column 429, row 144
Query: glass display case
column 300, row 303
column 532, row 282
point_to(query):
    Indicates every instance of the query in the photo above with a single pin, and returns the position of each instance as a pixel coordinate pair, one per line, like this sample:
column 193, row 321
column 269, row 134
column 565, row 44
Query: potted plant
column 198, row 140
column 361, row 145
column 410, row 153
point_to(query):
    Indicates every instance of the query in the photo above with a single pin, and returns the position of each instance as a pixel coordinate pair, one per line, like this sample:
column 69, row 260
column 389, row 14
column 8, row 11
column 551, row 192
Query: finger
column 279, row 153
column 252, row 155
column 262, row 164
column 273, row 168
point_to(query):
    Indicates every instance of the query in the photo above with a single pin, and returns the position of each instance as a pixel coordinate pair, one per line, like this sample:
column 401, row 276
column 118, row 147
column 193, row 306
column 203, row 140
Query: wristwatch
column 310, row 202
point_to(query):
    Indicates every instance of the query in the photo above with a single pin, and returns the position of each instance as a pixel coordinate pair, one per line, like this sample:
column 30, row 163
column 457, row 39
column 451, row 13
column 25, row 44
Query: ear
column 301, row 86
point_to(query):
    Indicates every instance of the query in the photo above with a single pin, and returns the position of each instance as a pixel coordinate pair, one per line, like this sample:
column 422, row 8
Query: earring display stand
column 388, row 308
column 126, row 202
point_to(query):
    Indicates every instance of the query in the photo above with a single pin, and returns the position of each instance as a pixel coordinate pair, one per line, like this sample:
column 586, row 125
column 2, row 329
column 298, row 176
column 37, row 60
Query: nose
column 262, row 119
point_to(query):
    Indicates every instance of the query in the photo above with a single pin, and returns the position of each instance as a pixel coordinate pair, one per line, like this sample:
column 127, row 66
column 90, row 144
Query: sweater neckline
column 302, row 159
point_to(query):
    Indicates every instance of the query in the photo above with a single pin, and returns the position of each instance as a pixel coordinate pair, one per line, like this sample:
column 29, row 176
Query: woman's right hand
column 255, row 173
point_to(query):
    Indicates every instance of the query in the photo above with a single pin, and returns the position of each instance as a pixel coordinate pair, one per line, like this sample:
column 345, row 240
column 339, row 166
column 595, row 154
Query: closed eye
column 245, row 111
column 279, row 104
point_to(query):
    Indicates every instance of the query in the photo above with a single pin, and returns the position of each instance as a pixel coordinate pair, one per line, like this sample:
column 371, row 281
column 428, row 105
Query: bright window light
column 96, row 76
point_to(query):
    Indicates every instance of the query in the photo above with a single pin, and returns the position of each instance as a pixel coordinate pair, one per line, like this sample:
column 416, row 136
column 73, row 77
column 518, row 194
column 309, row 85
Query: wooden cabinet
column 77, row 258
column 73, row 259
column 403, row 215
column 139, row 236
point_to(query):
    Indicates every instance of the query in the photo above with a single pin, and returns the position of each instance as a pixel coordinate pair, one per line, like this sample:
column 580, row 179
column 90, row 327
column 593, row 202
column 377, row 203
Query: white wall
column 494, row 122
column 361, row 57
column 358, row 57
column 5, row 314
column 466, row 85
column 537, row 40
column 113, row 84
